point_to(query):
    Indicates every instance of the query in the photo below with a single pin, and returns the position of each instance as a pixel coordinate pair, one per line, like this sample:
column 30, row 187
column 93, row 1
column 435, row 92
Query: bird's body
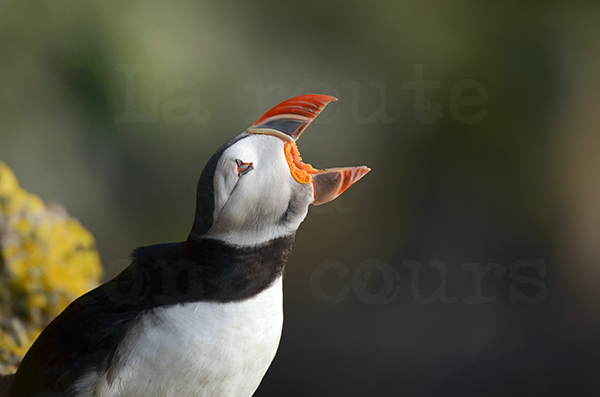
column 207, row 314
column 202, row 317
column 224, row 349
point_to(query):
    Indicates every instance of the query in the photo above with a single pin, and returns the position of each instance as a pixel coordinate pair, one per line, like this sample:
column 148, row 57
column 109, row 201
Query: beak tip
column 329, row 184
column 359, row 172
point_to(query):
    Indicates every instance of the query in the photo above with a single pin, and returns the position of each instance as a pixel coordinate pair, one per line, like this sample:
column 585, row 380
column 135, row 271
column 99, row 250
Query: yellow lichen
column 47, row 259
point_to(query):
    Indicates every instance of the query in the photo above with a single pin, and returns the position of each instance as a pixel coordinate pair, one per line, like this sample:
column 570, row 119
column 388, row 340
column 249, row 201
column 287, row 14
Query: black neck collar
column 194, row 271
column 237, row 273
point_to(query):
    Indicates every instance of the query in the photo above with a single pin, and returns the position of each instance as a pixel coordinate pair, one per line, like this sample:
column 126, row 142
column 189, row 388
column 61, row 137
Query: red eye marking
column 243, row 168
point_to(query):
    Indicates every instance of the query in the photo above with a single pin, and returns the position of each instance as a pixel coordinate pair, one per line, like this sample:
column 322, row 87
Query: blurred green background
column 113, row 108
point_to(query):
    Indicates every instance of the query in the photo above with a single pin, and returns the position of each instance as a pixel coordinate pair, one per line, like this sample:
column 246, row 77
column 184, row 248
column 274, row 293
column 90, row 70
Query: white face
column 261, row 204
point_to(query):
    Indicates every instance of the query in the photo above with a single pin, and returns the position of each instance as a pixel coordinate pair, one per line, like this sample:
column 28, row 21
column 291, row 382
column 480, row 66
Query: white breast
column 197, row 349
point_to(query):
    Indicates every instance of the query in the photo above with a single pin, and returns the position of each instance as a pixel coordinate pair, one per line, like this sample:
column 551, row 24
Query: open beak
column 287, row 121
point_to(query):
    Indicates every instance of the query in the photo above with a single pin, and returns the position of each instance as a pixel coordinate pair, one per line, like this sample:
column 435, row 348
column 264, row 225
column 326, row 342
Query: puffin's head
column 256, row 188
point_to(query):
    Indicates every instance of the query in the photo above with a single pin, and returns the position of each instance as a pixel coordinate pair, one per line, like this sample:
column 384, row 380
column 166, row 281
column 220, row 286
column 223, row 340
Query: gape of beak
column 287, row 121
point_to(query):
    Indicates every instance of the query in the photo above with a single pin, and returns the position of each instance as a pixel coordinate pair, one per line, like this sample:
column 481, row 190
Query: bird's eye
column 243, row 168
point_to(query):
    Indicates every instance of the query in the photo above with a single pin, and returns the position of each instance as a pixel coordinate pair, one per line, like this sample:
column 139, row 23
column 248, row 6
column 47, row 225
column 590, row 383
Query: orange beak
column 287, row 121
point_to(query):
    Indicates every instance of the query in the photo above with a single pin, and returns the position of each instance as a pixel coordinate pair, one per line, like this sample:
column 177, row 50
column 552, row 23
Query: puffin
column 202, row 317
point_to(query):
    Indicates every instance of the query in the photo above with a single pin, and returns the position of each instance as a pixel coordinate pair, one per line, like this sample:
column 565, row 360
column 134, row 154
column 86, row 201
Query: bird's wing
column 83, row 337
